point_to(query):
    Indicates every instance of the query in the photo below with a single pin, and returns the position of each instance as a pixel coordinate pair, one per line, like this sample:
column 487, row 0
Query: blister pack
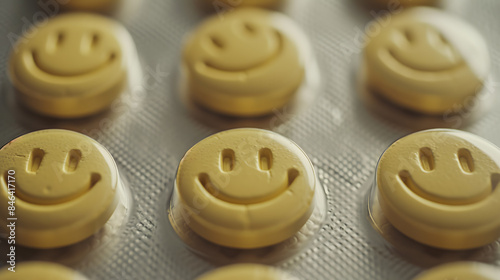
column 252, row 139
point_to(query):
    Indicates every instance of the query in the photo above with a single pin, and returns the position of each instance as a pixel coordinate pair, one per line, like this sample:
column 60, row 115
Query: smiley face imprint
column 73, row 66
column 65, row 186
column 244, row 65
column 246, row 188
column 440, row 188
column 426, row 61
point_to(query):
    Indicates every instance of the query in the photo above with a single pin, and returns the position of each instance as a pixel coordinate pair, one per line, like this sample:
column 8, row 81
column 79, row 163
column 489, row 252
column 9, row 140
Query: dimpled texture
column 41, row 271
column 74, row 65
column 246, row 272
column 342, row 139
column 246, row 194
column 440, row 187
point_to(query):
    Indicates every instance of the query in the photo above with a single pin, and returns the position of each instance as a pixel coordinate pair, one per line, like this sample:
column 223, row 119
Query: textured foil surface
column 150, row 129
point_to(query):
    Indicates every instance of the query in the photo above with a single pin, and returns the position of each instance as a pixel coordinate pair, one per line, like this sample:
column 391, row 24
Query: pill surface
column 40, row 271
column 426, row 61
column 243, row 65
column 246, row 272
column 461, row 271
column 73, row 66
column 245, row 188
column 440, row 187
column 63, row 184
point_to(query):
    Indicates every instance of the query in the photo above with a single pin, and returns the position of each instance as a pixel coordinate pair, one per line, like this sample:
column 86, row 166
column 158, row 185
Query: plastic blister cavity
column 257, row 199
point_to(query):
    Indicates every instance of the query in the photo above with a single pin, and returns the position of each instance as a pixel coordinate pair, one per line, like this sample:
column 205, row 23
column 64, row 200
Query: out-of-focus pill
column 426, row 61
column 92, row 5
column 225, row 4
column 461, row 271
column 40, row 271
column 63, row 185
column 243, row 65
column 246, row 272
column 245, row 188
column 440, row 187
column 72, row 66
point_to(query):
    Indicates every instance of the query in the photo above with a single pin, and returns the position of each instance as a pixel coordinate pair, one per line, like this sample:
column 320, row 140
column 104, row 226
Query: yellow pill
column 92, row 5
column 227, row 4
column 461, row 271
column 246, row 272
column 243, row 65
column 440, row 187
column 63, row 185
column 72, row 66
column 40, row 271
column 245, row 188
column 426, row 61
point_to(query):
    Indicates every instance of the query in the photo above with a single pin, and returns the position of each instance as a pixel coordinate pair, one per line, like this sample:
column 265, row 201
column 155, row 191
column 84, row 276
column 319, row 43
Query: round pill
column 246, row 188
column 40, row 271
column 92, row 5
column 246, row 272
column 440, row 188
column 461, row 271
column 63, row 185
column 225, row 4
column 72, row 66
column 426, row 61
column 244, row 65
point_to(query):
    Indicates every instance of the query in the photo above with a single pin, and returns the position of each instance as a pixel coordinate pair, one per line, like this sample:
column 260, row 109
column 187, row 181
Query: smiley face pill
column 426, row 61
column 73, row 66
column 440, row 188
column 246, row 272
column 245, row 188
column 63, row 184
column 40, row 271
column 461, row 271
column 244, row 65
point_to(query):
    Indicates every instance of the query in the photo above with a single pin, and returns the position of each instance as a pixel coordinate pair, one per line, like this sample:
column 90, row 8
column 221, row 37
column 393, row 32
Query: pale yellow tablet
column 72, row 66
column 62, row 184
column 246, row 272
column 242, row 64
column 440, row 187
column 39, row 271
column 245, row 188
column 461, row 271
column 427, row 61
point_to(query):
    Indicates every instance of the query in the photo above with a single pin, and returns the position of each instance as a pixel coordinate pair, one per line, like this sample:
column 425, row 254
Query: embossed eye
column 35, row 159
column 426, row 158
column 265, row 159
column 217, row 41
column 72, row 160
column 227, row 160
column 466, row 160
